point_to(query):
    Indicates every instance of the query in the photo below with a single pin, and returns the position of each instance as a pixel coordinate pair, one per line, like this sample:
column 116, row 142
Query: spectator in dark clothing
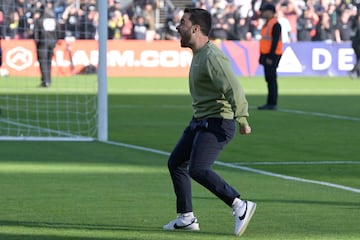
column 342, row 29
column 71, row 21
column 242, row 28
column 140, row 28
column 324, row 31
column 46, row 37
column 23, row 24
column 305, row 25
column 116, row 6
column 242, row 24
column 230, row 21
column 88, row 23
column 355, row 44
column 170, row 31
column 220, row 28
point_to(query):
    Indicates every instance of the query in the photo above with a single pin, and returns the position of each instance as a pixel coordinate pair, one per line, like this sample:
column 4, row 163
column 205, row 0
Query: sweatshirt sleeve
column 225, row 80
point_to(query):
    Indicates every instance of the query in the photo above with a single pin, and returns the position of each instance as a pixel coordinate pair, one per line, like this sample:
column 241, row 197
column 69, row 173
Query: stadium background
column 236, row 30
column 300, row 164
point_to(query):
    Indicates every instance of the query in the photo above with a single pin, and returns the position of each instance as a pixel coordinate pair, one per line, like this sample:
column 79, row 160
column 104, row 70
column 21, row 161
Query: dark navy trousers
column 193, row 156
column 271, row 78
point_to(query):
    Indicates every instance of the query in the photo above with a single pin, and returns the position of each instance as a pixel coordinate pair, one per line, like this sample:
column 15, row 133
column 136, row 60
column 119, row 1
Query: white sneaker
column 243, row 217
column 183, row 222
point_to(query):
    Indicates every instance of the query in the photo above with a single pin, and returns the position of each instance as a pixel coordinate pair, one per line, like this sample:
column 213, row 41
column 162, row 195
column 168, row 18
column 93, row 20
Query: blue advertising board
column 299, row 59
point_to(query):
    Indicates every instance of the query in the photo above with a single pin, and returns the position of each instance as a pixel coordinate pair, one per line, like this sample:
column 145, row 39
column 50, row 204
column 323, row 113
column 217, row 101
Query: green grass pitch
column 94, row 190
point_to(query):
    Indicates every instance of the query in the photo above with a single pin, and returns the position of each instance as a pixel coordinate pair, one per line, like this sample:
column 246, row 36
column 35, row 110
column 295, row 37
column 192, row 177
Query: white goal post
column 102, row 73
column 74, row 108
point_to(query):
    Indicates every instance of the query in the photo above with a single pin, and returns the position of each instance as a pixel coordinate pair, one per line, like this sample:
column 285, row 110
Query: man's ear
column 196, row 28
column 193, row 30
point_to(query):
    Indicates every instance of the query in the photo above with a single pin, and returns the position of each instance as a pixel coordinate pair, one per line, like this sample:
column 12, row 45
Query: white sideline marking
column 65, row 135
column 298, row 163
column 342, row 187
column 138, row 148
column 132, row 106
column 230, row 165
column 299, row 112
column 320, row 114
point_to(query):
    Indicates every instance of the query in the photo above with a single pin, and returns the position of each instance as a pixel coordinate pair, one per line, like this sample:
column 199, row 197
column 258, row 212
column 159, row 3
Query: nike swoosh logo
column 180, row 227
column 243, row 216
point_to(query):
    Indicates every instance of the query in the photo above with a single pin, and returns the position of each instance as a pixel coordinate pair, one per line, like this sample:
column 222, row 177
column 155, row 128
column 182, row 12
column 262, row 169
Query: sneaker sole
column 192, row 227
column 247, row 221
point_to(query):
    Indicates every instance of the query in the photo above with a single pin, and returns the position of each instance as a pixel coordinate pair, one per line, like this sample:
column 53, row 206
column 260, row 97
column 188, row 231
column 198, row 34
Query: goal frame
column 102, row 92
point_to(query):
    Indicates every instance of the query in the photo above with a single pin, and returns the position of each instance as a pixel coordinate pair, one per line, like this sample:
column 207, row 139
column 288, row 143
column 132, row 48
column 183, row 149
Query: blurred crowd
column 78, row 19
column 301, row 20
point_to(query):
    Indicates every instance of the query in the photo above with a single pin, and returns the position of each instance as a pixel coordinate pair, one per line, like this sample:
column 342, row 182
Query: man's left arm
column 276, row 35
column 225, row 80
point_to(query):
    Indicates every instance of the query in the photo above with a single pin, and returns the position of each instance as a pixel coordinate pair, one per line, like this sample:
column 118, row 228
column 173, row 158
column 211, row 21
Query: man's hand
column 245, row 130
column 268, row 61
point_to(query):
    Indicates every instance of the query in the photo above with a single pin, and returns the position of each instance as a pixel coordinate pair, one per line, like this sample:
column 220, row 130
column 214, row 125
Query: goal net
column 30, row 109
column 68, row 110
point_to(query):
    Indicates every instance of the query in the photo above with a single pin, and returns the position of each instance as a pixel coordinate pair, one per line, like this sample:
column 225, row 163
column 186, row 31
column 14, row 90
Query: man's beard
column 185, row 39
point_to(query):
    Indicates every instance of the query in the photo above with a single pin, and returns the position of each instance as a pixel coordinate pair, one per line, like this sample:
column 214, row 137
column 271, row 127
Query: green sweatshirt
column 215, row 90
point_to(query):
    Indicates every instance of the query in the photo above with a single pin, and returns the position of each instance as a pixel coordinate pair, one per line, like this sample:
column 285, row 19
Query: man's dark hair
column 201, row 17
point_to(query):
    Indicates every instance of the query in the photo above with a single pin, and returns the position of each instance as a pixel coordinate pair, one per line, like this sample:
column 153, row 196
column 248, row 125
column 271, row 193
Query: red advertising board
column 124, row 58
